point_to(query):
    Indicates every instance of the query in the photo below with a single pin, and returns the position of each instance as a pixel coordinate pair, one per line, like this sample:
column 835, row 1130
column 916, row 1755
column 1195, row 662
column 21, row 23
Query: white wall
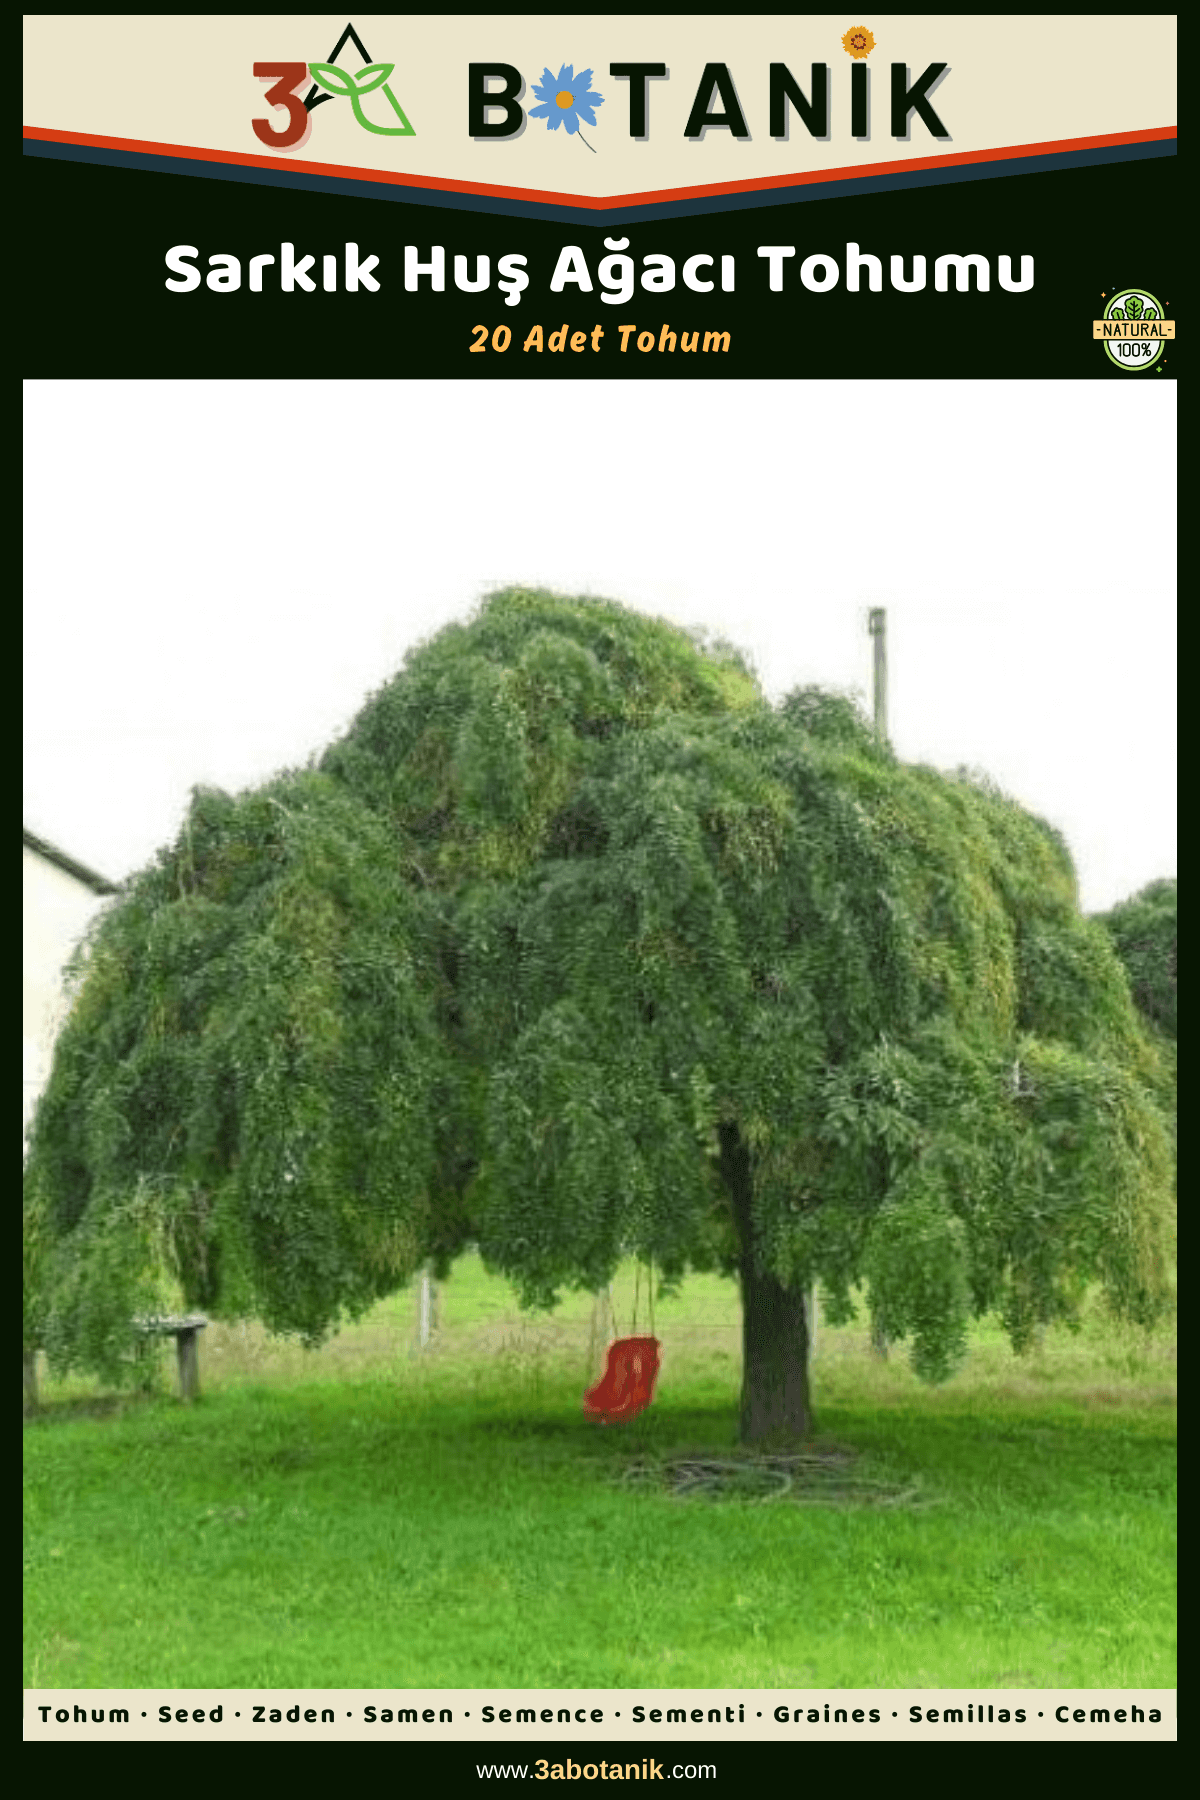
column 57, row 911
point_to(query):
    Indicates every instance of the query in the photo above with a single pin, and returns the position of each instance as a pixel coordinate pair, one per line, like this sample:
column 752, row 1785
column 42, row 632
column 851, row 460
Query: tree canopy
column 1145, row 931
column 574, row 947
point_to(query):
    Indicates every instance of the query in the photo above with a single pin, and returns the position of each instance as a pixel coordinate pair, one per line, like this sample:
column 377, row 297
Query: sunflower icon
column 858, row 41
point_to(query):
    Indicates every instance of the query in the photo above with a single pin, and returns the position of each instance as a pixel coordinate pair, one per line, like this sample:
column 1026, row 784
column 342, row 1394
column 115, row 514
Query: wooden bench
column 187, row 1347
column 187, row 1355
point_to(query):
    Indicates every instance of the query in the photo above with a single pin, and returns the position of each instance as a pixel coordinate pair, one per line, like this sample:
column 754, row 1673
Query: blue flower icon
column 566, row 99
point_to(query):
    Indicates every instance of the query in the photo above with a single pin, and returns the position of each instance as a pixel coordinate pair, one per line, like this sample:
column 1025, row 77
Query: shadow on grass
column 560, row 1430
column 94, row 1406
column 998, row 1452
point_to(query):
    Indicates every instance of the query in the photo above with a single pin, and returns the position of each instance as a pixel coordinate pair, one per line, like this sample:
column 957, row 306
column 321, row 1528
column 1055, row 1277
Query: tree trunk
column 775, row 1399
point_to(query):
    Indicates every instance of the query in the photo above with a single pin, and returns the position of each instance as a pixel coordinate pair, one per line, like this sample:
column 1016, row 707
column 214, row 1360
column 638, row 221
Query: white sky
column 218, row 573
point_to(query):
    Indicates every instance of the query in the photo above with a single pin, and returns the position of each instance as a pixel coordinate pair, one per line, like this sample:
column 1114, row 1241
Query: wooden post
column 29, row 1381
column 810, row 1320
column 877, row 626
column 428, row 1315
column 187, row 1353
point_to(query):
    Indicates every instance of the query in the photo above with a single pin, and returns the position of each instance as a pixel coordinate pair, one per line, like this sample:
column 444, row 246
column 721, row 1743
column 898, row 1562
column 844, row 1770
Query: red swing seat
column 627, row 1384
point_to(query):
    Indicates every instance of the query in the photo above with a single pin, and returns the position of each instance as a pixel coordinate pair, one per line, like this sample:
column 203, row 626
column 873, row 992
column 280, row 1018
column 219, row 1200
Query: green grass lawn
column 361, row 1516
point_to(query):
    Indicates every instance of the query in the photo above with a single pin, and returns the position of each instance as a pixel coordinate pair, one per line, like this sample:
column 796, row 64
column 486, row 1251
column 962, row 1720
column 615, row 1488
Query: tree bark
column 775, row 1397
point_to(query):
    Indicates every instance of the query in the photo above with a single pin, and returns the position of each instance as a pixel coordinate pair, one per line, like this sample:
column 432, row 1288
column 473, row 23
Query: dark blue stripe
column 284, row 177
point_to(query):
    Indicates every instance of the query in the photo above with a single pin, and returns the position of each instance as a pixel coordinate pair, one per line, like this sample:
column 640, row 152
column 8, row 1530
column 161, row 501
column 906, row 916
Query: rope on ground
column 814, row 1477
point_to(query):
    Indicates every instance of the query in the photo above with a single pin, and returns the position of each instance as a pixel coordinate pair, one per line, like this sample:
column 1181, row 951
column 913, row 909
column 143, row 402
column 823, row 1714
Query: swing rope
column 637, row 1290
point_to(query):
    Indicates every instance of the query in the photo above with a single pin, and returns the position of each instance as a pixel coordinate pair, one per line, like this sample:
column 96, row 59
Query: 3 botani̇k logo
column 329, row 82
column 495, row 94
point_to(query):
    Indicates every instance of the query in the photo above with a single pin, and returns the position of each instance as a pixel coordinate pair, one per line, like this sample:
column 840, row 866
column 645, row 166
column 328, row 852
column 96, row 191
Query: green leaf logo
column 346, row 86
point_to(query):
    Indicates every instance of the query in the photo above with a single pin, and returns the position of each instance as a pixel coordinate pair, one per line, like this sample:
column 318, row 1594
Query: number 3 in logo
column 283, row 94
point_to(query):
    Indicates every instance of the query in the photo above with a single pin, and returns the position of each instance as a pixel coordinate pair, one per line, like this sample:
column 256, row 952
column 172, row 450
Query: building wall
column 57, row 911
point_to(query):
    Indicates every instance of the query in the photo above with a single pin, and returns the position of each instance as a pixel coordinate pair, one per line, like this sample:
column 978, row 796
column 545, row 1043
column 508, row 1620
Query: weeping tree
column 572, row 948
column 1145, row 931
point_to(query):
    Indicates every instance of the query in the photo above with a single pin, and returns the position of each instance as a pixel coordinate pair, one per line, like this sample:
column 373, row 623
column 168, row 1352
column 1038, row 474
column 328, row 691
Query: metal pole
column 426, row 1330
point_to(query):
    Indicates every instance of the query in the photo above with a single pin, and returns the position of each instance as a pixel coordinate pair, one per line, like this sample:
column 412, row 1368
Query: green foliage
column 1146, row 934
column 251, row 1054
column 567, row 897
column 918, row 1264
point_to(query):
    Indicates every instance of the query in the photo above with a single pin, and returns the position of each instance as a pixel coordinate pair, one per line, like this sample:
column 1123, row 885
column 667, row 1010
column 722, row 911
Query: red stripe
column 658, row 196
